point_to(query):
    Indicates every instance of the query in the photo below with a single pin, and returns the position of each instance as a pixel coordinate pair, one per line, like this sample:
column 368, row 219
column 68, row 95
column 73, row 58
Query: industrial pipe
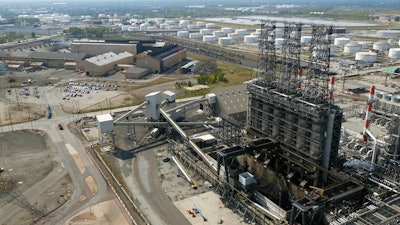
column 368, row 113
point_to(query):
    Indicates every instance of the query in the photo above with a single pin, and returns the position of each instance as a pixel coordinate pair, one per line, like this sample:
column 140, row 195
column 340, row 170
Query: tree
column 206, row 66
column 189, row 83
column 33, row 35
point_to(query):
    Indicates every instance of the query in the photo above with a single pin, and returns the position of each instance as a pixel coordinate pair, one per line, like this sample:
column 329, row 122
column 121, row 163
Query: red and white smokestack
column 299, row 79
column 331, row 88
column 368, row 113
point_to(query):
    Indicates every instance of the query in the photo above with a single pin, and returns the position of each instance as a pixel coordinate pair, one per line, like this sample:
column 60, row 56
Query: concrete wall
column 145, row 61
column 174, row 59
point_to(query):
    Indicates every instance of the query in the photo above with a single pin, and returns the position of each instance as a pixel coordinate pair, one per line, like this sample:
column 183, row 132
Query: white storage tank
column 341, row 41
column 379, row 94
column 195, row 36
column 210, row 25
column 124, row 28
column 227, row 30
column 225, row 41
column 352, row 47
column 305, row 39
column 183, row 23
column 144, row 26
column 387, row 97
column 250, row 39
column 395, row 98
column 380, row 46
column 234, row 36
column 363, row 44
column 192, row 27
column 394, row 53
column 170, row 22
column 280, row 41
column 209, row 38
column 171, row 27
column 255, row 34
column 388, row 33
column 219, row 33
column 201, row 24
column 133, row 29
column 369, row 57
column 164, row 26
column 205, row 32
column 182, row 34
column 392, row 42
column 241, row 32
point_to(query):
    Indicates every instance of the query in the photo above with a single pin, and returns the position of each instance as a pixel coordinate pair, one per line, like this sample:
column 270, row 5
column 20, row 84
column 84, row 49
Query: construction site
column 292, row 161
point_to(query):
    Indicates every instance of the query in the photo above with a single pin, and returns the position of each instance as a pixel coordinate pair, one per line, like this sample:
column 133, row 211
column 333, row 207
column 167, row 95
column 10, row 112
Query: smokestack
column 368, row 113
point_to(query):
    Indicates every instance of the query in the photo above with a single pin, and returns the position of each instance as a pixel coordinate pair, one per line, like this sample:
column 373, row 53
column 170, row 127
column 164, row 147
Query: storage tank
column 341, row 41
column 387, row 97
column 210, row 25
column 183, row 23
column 182, row 34
column 205, row 32
column 225, row 41
column 170, row 22
column 280, row 41
column 250, row 39
column 171, row 27
column 124, row 28
column 144, row 26
column 195, row 36
column 227, row 30
column 201, row 24
column 192, row 27
column 164, row 26
column 395, row 98
column 219, row 33
column 209, row 38
column 352, row 47
column 394, row 53
column 259, row 30
column 379, row 94
column 380, row 46
column 234, row 36
column 388, row 33
column 255, row 34
column 305, row 39
column 241, row 32
column 369, row 57
column 133, row 29
column 363, row 44
column 392, row 42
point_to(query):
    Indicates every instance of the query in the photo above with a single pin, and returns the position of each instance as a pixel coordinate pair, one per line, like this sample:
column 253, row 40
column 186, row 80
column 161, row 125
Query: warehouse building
column 105, row 63
column 55, row 59
column 161, row 60
column 232, row 101
column 98, row 47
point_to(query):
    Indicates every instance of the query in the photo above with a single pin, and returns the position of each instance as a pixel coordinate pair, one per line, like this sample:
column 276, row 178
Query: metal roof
column 232, row 99
column 57, row 55
column 107, row 58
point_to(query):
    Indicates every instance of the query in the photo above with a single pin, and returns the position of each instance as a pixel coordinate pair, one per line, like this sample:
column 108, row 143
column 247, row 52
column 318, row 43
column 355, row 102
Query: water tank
column 394, row 53
column 164, row 26
column 341, row 41
column 305, row 39
column 192, row 27
column 250, row 39
column 234, row 36
column 205, row 32
column 369, row 57
column 241, row 32
column 210, row 25
column 280, row 41
column 395, row 98
column 195, row 36
column 379, row 94
column 209, row 38
column 387, row 97
column 182, row 34
column 363, row 44
column 392, row 42
column 380, row 46
column 219, row 33
column 201, row 24
column 144, row 26
column 388, row 33
column 183, row 23
column 227, row 30
column 352, row 47
column 225, row 41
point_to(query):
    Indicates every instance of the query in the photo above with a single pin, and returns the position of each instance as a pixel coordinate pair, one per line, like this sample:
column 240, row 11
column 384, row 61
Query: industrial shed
column 105, row 63
column 55, row 59
column 162, row 59
column 232, row 101
column 98, row 47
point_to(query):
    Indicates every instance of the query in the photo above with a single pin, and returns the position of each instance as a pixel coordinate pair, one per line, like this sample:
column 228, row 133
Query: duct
column 186, row 104
column 132, row 111
column 166, row 123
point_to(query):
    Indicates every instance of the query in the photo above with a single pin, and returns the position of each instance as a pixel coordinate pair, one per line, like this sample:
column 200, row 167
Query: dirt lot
column 25, row 191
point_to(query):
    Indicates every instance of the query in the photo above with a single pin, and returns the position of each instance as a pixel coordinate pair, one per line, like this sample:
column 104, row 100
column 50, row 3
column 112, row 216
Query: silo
column 225, row 41
column 227, row 30
column 368, row 57
column 394, row 53
column 182, row 34
column 195, row 36
column 205, row 32
column 305, row 39
column 210, row 25
column 380, row 46
column 352, row 47
column 219, row 33
column 250, row 39
column 241, row 32
column 201, row 24
column 234, row 36
column 209, row 38
column 280, row 41
column 341, row 41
